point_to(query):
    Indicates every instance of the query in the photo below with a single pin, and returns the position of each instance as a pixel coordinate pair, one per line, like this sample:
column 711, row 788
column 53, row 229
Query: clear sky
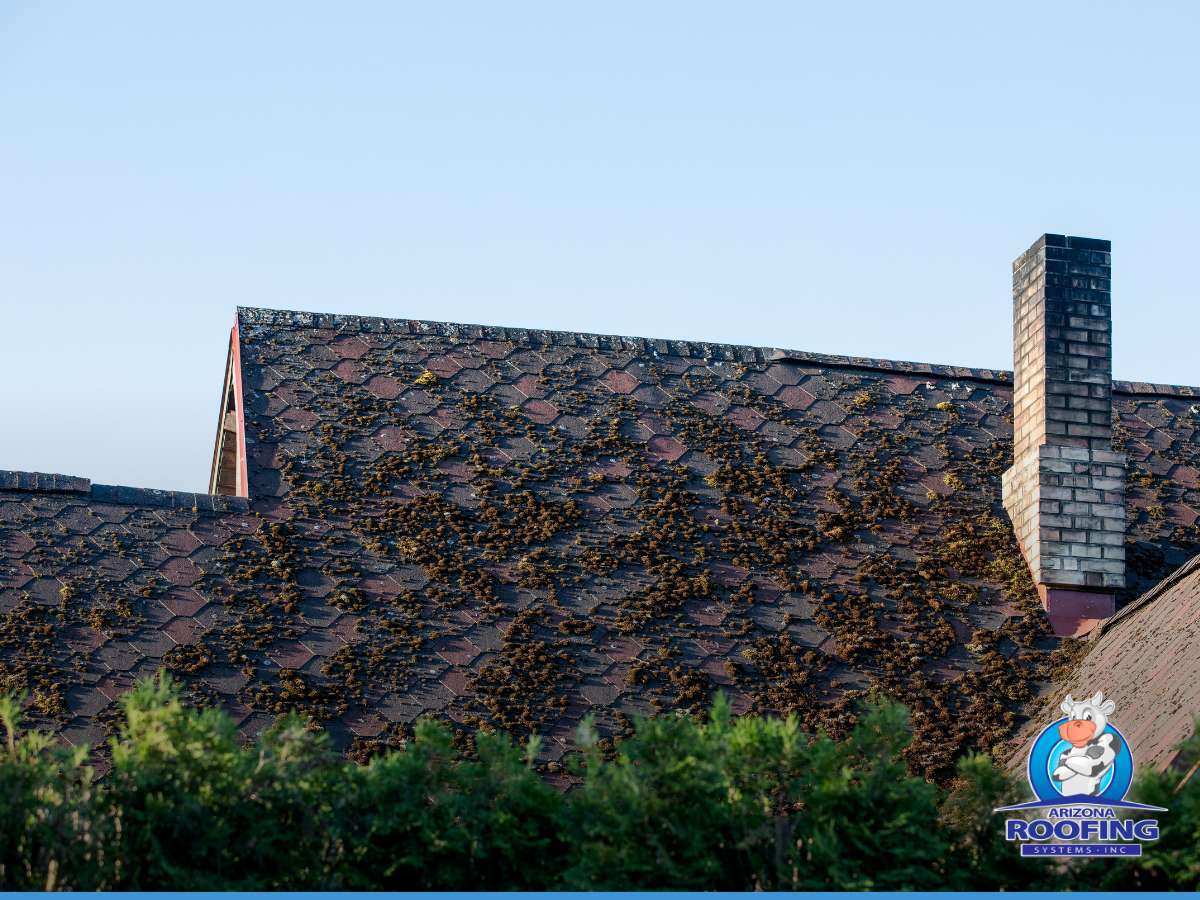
column 838, row 177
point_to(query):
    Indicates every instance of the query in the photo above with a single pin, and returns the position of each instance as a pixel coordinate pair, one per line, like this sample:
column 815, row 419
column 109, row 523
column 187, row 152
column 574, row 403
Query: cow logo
column 1081, row 755
column 1080, row 768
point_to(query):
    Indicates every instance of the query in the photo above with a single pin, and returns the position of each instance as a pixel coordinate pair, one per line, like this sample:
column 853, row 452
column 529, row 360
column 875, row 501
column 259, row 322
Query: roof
column 515, row 529
column 1147, row 660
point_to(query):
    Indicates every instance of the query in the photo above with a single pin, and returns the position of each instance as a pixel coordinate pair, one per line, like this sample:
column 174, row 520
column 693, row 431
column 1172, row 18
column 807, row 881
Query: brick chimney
column 1065, row 492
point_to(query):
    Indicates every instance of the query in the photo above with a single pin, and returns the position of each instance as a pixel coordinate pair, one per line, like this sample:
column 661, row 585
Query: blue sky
column 843, row 178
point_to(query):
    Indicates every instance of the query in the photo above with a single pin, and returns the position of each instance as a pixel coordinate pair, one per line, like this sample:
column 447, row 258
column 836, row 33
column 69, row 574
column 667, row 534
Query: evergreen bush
column 750, row 803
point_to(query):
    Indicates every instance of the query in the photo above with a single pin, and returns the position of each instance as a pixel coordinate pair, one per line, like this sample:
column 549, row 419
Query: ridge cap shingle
column 50, row 483
column 1146, row 599
column 654, row 346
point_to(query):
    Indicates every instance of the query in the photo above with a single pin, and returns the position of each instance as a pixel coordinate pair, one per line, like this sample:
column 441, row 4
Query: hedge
column 722, row 803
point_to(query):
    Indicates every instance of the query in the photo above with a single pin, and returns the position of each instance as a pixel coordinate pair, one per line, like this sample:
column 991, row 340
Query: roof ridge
column 1145, row 599
column 47, row 483
column 659, row 346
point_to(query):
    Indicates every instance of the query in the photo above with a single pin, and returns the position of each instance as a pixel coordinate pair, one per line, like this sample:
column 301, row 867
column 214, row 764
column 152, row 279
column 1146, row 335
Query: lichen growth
column 555, row 531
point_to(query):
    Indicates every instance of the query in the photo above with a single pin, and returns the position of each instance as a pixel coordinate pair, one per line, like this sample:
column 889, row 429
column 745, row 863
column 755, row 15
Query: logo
column 1080, row 768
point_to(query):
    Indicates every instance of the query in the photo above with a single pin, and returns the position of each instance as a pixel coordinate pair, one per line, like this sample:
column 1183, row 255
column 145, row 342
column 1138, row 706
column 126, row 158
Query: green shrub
column 683, row 803
column 425, row 819
column 52, row 833
column 986, row 860
column 197, row 811
column 754, row 803
column 864, row 824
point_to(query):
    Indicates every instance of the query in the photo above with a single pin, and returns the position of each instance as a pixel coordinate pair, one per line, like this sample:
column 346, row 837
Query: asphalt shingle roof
column 514, row 529
column 1147, row 660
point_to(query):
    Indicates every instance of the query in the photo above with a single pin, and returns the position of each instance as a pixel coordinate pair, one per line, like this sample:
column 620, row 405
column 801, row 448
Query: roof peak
column 706, row 350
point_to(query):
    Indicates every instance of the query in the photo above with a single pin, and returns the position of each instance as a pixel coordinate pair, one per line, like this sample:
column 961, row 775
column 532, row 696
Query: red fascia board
column 243, row 480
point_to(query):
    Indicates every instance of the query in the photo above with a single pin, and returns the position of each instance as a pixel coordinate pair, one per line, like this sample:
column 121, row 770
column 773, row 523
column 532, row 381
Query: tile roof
column 514, row 529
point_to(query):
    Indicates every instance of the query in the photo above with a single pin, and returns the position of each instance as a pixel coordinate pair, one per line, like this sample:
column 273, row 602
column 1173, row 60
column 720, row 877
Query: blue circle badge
column 1063, row 766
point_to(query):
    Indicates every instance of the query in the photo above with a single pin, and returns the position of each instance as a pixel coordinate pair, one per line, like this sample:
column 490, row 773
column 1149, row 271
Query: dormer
column 228, row 475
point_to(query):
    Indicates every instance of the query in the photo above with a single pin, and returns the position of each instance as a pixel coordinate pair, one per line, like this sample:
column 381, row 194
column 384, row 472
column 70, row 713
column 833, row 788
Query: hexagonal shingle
column 394, row 541
column 620, row 382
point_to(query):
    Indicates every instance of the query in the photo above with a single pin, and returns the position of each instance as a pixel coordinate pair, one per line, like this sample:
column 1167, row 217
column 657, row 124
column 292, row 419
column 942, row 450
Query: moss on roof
column 517, row 529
